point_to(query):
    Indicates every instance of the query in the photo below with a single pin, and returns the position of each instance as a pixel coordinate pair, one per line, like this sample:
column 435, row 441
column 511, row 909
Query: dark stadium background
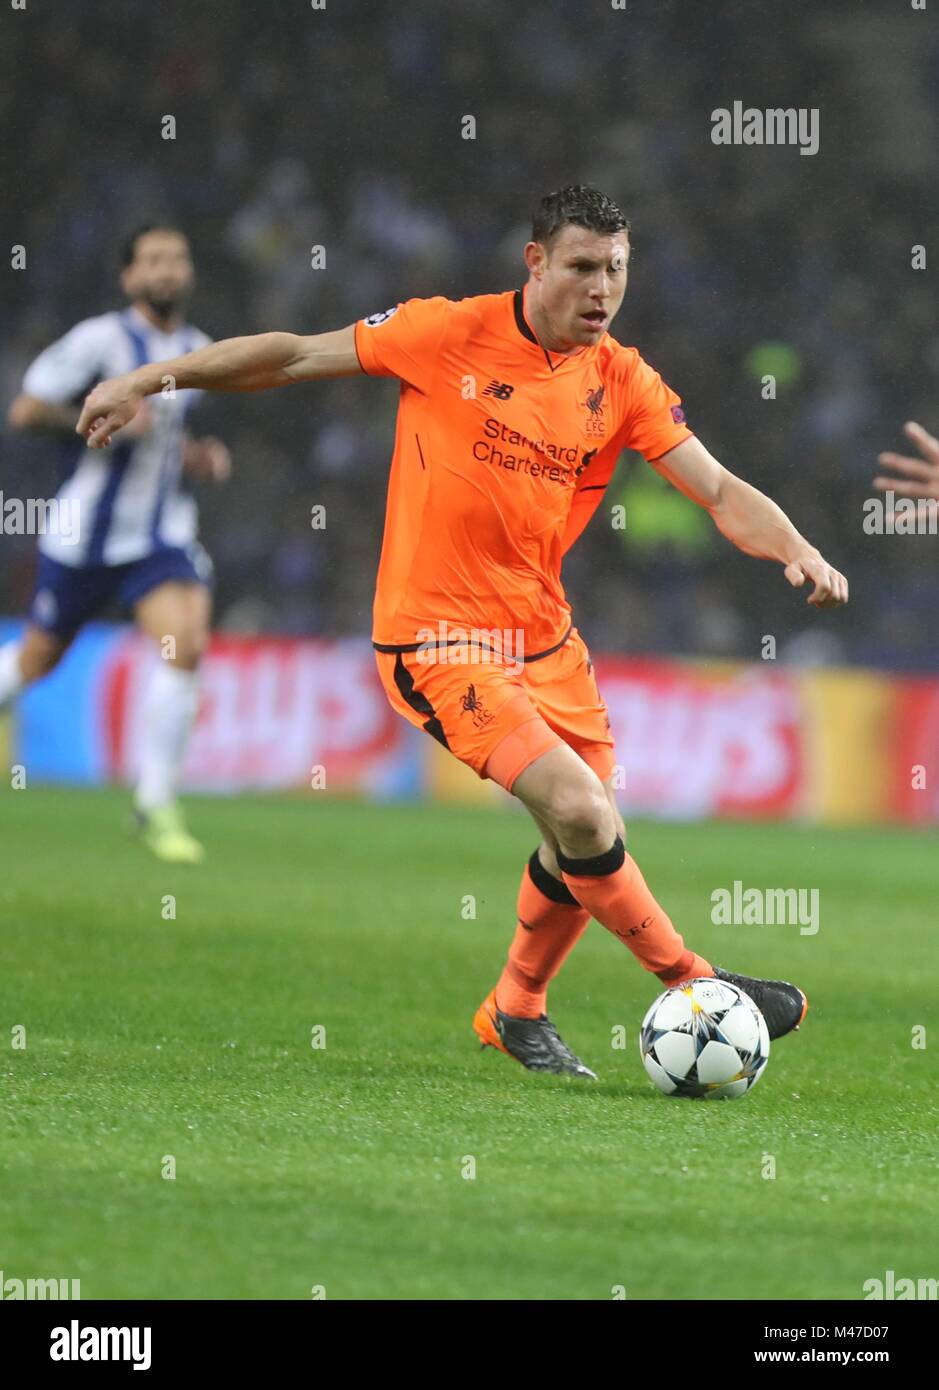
column 734, row 248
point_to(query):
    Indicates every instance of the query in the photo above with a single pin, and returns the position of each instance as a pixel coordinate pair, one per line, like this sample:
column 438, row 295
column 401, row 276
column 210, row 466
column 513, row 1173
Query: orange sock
column 612, row 889
column 550, row 923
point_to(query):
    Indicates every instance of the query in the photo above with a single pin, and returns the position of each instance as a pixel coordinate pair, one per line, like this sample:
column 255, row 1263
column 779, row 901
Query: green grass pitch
column 342, row 1167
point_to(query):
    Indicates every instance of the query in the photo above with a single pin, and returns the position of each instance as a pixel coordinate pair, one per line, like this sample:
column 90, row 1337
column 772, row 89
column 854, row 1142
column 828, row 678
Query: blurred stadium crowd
column 343, row 128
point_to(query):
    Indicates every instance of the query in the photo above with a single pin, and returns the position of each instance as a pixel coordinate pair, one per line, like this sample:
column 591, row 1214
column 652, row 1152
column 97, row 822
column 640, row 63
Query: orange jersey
column 502, row 454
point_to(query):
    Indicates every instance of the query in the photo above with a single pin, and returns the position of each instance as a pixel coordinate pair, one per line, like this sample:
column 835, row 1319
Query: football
column 704, row 1040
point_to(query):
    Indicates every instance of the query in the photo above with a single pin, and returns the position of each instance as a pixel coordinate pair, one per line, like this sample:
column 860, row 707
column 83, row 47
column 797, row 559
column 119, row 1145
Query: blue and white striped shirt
column 128, row 496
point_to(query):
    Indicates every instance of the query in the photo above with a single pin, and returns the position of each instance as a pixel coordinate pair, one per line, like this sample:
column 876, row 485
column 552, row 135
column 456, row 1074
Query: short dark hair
column 129, row 244
column 578, row 205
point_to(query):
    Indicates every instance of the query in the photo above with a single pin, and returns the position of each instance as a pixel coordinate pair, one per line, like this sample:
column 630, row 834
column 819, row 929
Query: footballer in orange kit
column 513, row 411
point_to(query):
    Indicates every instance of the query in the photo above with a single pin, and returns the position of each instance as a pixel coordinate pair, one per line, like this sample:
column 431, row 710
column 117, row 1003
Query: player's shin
column 612, row 889
column 550, row 923
column 11, row 673
column 169, row 713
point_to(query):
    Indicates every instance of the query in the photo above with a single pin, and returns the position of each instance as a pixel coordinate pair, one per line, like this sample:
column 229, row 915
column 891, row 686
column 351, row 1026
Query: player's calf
column 176, row 615
column 567, row 796
column 27, row 660
column 188, row 650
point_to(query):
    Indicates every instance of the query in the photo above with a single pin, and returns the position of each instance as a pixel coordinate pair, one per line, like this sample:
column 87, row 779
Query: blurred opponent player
column 136, row 536
column 514, row 409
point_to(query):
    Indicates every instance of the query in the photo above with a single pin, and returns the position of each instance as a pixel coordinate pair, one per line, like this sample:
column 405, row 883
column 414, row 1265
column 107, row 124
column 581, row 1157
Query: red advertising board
column 273, row 714
column 916, row 762
column 691, row 743
column 692, row 739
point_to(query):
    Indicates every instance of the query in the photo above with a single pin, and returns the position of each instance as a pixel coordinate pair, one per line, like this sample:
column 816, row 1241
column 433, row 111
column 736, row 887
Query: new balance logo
column 500, row 389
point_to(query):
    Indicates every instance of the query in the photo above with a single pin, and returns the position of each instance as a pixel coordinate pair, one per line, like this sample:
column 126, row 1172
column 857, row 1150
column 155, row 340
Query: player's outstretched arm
column 922, row 478
column 257, row 363
column 41, row 417
column 751, row 520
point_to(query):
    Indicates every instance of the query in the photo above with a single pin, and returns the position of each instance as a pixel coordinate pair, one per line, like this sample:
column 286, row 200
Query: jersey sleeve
column 403, row 341
column 654, row 421
column 69, row 367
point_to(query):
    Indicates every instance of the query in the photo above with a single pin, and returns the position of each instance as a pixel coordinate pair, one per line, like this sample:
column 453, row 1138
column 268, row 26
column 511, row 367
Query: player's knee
column 549, row 859
column 619, row 825
column 38, row 660
column 577, row 812
column 38, row 664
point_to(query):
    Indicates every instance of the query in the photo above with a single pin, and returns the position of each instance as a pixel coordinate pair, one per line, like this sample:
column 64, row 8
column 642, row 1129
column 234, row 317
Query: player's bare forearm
column 256, row 363
column 41, row 417
column 755, row 524
column 751, row 521
column 253, row 363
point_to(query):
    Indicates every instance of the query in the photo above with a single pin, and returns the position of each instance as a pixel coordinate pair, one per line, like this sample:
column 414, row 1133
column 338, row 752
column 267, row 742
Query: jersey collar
column 555, row 359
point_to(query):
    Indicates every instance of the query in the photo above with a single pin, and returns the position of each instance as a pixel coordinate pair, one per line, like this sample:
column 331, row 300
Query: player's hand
column 830, row 587
column 208, row 458
column 141, row 424
column 108, row 408
column 924, row 476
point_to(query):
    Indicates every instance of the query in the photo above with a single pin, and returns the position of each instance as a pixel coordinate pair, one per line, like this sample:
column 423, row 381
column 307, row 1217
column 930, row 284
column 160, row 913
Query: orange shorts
column 502, row 711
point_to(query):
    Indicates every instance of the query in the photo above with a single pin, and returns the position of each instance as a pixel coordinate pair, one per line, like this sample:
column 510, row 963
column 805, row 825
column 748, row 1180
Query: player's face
column 161, row 272
column 581, row 280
